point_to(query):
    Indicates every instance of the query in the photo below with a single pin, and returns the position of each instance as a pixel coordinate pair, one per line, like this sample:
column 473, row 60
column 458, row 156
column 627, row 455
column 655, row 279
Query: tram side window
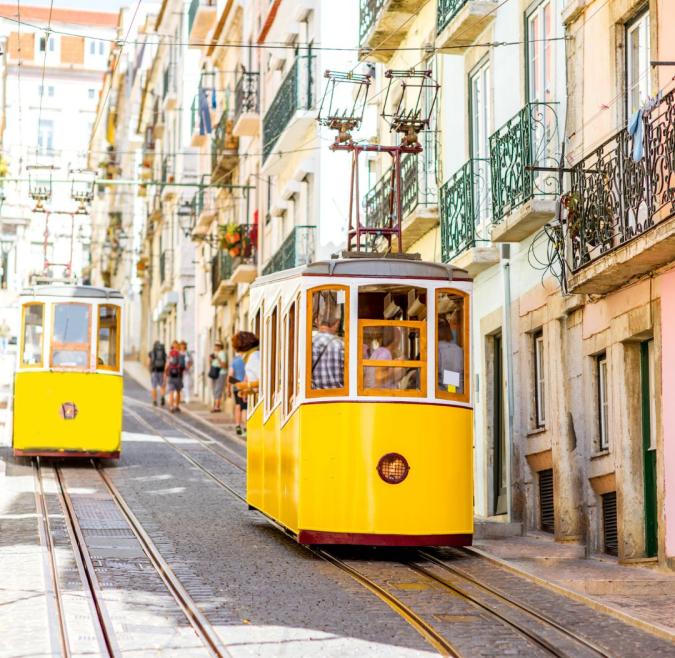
column 108, row 337
column 272, row 351
column 33, row 317
column 329, row 317
column 392, row 336
column 291, row 352
column 452, row 352
column 71, row 340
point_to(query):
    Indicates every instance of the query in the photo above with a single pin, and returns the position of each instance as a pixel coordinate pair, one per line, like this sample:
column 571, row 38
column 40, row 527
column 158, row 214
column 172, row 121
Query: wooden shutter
column 546, row 507
column 72, row 50
column 27, row 46
column 611, row 539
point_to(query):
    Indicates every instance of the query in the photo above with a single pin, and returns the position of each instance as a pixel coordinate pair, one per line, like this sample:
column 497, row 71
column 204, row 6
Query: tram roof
column 62, row 290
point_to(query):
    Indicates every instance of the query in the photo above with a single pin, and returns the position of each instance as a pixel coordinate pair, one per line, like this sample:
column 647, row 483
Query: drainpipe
column 507, row 361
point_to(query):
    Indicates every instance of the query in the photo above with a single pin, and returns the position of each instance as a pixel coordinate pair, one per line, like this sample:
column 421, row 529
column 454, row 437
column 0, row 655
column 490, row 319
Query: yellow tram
column 362, row 430
column 68, row 382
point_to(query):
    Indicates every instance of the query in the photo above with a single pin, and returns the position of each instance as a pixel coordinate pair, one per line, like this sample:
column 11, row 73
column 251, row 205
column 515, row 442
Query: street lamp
column 186, row 217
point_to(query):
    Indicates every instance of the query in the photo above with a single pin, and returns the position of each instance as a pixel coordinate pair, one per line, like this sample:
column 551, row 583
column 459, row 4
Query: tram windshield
column 107, row 356
column 31, row 354
column 71, row 339
column 392, row 339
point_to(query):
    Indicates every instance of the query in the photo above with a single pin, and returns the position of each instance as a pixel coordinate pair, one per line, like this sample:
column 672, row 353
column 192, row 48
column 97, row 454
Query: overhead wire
column 42, row 79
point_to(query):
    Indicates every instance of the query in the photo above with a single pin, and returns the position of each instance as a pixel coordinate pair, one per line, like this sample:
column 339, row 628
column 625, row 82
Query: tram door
column 499, row 461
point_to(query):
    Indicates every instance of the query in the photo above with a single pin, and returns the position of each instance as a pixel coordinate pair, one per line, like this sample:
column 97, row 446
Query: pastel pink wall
column 668, row 402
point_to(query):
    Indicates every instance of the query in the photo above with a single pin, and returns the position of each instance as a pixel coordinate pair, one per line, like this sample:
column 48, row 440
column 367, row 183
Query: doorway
column 499, row 462
column 648, row 399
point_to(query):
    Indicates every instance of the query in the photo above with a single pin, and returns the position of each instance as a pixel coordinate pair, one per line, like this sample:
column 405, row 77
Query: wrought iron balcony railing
column 417, row 188
column 529, row 139
column 247, row 94
column 446, row 11
column 297, row 249
column 368, row 14
column 223, row 141
column 614, row 197
column 465, row 208
column 221, row 269
column 295, row 93
column 240, row 243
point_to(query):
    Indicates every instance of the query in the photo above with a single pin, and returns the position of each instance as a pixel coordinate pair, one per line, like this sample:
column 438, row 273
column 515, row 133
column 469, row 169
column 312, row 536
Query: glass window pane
column 32, row 335
column 451, row 353
column 108, row 329
column 390, row 377
column 391, row 343
column 70, row 343
column 328, row 336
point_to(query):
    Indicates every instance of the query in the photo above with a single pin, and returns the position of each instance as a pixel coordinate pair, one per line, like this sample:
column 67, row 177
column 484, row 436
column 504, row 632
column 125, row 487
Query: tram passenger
column 174, row 377
column 157, row 364
column 218, row 375
column 328, row 354
column 243, row 375
column 384, row 348
column 450, row 353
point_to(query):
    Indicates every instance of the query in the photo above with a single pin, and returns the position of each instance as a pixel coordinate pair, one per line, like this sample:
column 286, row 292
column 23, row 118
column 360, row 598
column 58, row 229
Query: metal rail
column 514, row 604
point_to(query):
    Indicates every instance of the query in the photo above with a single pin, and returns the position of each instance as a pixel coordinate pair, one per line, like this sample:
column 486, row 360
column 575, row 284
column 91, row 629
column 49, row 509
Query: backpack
column 158, row 358
column 176, row 366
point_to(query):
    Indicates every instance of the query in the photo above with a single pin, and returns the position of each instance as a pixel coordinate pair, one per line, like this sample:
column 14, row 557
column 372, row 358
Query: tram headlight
column 393, row 468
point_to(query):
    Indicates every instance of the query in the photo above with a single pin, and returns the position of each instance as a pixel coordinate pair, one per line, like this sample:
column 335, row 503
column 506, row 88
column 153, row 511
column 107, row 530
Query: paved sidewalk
column 641, row 595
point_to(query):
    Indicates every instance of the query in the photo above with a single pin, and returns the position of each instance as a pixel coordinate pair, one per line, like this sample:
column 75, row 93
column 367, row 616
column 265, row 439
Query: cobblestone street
column 159, row 553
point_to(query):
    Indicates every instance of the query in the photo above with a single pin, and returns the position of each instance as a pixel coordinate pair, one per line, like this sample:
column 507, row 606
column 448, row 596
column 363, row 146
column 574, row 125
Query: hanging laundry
column 636, row 130
column 214, row 104
column 204, row 113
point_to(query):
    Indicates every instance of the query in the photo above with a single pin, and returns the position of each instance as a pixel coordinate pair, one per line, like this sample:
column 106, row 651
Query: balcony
column 620, row 220
column 155, row 210
column 168, row 178
column 297, row 249
column 247, row 105
column 384, row 23
column 419, row 201
column 224, row 148
column 240, row 241
column 465, row 218
column 169, row 90
column 459, row 23
column 290, row 114
column 221, row 278
column 202, row 16
column 524, row 200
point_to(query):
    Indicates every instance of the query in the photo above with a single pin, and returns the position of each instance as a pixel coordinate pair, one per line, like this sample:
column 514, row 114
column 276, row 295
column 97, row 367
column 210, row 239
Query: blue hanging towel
column 636, row 129
column 214, row 104
column 204, row 113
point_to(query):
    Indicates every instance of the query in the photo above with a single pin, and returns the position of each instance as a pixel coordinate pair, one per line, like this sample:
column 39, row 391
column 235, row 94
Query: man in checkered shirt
column 328, row 355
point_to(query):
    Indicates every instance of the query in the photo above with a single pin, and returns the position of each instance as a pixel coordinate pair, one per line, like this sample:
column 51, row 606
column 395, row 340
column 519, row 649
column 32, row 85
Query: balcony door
column 479, row 112
column 637, row 63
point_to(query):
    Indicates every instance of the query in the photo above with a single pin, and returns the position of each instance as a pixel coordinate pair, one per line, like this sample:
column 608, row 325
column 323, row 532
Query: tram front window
column 328, row 328
column 451, row 335
column 32, row 335
column 392, row 339
column 108, row 337
column 70, row 343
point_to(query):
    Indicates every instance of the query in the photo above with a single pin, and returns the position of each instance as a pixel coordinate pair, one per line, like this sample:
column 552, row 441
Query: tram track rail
column 103, row 625
column 427, row 630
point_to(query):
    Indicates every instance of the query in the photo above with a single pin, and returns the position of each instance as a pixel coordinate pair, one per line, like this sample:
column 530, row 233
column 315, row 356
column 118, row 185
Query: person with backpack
column 186, row 355
column 157, row 365
column 175, row 367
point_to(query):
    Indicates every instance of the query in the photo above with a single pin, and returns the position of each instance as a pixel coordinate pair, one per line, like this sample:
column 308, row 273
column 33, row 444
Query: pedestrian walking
column 4, row 336
column 218, row 375
column 236, row 375
column 174, row 377
column 157, row 365
column 186, row 356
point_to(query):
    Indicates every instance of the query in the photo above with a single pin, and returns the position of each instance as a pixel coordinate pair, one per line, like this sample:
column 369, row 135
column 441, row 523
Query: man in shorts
column 157, row 364
column 174, row 377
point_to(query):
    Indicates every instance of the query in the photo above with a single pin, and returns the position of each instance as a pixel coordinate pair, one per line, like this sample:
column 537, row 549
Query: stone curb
column 655, row 629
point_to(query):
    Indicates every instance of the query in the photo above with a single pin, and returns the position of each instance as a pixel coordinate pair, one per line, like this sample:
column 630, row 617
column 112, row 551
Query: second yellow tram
column 362, row 432
column 67, row 398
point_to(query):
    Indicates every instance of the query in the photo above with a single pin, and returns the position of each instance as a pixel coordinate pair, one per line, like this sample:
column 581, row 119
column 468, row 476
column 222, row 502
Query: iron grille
column 221, row 270
column 447, row 10
column 368, row 15
column 246, row 94
column 609, row 527
column 546, row 505
column 297, row 249
column 614, row 198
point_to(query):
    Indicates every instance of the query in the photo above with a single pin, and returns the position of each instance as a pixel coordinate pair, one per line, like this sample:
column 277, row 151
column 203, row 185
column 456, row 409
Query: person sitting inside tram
column 384, row 348
column 450, row 354
column 328, row 353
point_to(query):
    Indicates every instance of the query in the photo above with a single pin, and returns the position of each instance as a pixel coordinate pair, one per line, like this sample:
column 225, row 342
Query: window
column 91, row 92
column 637, row 63
column 71, row 339
column 479, row 89
column 603, row 405
column 33, row 330
column 539, row 380
column 107, row 355
column 452, row 345
column 43, row 44
column 291, row 353
column 50, row 91
column 45, row 136
column 92, row 47
column 327, row 341
column 272, row 357
column 101, row 48
column 52, row 44
column 540, row 50
column 392, row 340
